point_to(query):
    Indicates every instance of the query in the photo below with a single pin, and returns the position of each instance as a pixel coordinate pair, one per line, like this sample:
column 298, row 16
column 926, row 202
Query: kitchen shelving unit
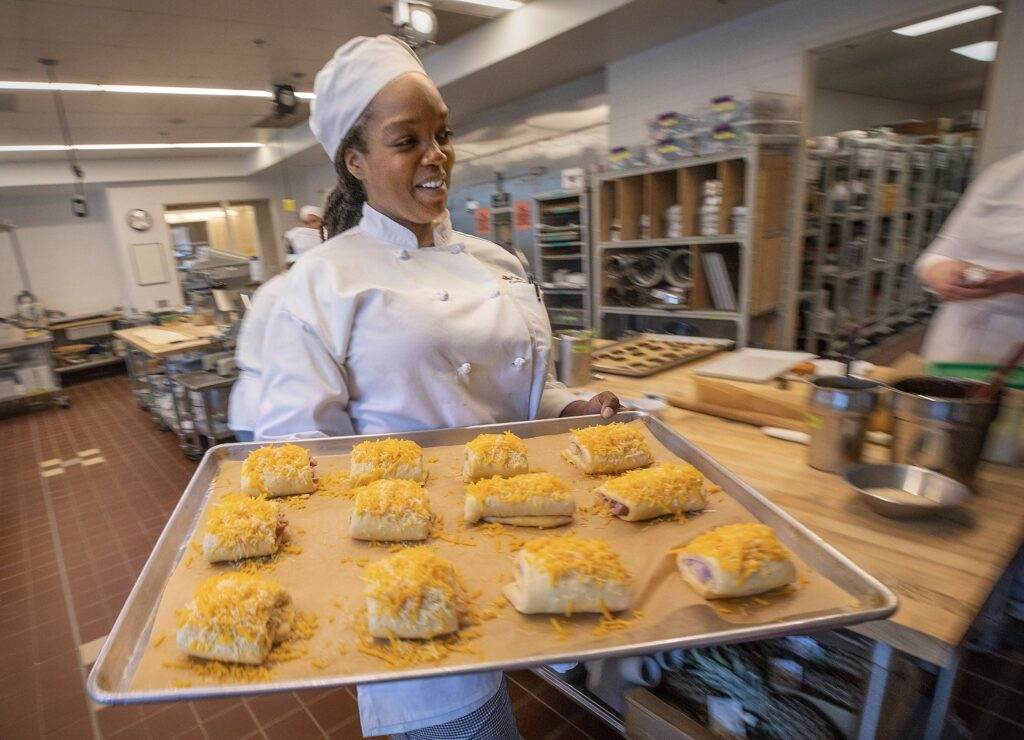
column 860, row 245
column 562, row 242
column 628, row 219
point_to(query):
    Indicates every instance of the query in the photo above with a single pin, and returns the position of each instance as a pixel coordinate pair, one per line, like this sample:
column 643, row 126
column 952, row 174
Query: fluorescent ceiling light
column 121, row 147
column 499, row 4
column 983, row 51
column 145, row 89
column 948, row 21
column 177, row 217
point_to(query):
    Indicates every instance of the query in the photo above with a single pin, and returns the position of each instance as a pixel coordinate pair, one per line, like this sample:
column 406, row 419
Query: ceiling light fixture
column 983, row 51
column 499, row 4
column 414, row 22
column 125, row 147
column 948, row 21
column 143, row 89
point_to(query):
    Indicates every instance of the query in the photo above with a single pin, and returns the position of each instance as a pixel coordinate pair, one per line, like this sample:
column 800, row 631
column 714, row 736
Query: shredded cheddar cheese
column 612, row 440
column 504, row 450
column 405, row 580
column 237, row 519
column 562, row 556
column 659, row 485
column 393, row 498
column 336, row 484
column 520, row 488
column 385, row 456
column 232, row 606
column 738, row 548
column 287, row 461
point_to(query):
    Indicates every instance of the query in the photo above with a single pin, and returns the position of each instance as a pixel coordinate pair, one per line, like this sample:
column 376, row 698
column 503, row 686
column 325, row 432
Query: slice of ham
column 618, row 508
column 282, row 524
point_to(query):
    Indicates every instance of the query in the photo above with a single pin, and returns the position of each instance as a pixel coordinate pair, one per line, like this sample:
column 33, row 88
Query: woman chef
column 397, row 323
column 979, row 321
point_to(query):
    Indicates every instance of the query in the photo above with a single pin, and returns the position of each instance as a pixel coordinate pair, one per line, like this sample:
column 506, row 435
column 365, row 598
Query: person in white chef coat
column 397, row 323
column 979, row 322
column 300, row 239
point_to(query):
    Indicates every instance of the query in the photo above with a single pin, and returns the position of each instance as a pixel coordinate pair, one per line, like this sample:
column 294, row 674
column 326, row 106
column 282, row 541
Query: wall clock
column 139, row 219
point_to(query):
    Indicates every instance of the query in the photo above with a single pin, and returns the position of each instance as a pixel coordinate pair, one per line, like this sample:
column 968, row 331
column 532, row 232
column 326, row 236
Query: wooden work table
column 942, row 569
column 197, row 337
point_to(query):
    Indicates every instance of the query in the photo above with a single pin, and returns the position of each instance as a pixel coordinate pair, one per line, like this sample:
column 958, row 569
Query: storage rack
column 859, row 251
column 562, row 242
column 27, row 374
column 86, row 343
column 762, row 176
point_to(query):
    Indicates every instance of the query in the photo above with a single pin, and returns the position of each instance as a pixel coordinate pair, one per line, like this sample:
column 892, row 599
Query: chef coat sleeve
column 304, row 392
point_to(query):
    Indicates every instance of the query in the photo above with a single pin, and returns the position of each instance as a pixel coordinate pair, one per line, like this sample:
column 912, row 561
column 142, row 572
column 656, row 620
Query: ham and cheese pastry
column 240, row 526
column 564, row 575
column 387, row 458
column 652, row 492
column 235, row 618
column 609, row 448
column 735, row 560
column 391, row 511
column 413, row 593
column 489, row 455
column 278, row 471
column 530, row 500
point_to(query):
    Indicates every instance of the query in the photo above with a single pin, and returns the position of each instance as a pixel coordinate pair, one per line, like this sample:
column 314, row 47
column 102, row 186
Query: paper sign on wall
column 522, row 215
column 483, row 221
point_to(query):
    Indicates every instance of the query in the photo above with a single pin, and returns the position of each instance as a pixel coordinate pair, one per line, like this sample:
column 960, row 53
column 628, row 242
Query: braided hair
column 345, row 202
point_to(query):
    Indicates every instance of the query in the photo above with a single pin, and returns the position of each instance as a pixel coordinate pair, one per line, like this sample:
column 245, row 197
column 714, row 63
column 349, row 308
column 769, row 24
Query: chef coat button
column 464, row 368
column 455, row 249
column 402, row 254
column 442, row 295
column 519, row 361
column 495, row 293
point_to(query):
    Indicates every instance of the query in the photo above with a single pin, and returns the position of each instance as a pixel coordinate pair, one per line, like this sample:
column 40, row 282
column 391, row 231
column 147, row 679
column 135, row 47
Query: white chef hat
column 311, row 211
column 359, row 69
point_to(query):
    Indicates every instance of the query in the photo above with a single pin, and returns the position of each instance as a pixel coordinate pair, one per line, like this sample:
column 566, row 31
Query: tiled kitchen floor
column 84, row 494
column 71, row 545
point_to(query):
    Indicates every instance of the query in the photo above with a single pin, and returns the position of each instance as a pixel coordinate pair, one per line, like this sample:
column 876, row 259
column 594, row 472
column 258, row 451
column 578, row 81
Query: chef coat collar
column 376, row 224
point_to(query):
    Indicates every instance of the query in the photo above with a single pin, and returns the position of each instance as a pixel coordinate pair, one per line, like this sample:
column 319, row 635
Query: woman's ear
column 355, row 163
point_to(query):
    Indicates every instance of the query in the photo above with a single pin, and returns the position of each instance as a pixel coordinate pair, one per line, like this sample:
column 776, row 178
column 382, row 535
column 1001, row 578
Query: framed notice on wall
column 483, row 221
column 148, row 264
column 522, row 216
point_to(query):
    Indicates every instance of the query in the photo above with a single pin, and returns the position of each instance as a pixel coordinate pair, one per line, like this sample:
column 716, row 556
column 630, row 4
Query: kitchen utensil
column 905, row 491
column 753, row 365
column 995, row 385
column 574, row 357
column 839, row 409
column 937, row 426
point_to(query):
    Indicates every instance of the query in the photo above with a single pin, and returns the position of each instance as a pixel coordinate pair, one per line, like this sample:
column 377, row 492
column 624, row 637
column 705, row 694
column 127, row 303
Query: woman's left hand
column 1003, row 281
column 604, row 403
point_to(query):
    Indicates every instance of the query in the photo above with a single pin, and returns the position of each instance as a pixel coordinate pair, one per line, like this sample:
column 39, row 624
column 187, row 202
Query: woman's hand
column 604, row 403
column 947, row 280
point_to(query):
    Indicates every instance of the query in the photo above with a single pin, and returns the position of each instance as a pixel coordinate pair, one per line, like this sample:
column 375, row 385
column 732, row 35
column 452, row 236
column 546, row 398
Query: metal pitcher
column 838, row 417
column 574, row 357
column 936, row 426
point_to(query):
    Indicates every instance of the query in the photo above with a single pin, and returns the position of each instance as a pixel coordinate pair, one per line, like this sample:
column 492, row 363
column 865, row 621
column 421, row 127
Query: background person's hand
column 947, row 281
column 604, row 403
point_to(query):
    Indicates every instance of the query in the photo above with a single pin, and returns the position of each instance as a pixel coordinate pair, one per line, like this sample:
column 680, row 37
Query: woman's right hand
column 947, row 280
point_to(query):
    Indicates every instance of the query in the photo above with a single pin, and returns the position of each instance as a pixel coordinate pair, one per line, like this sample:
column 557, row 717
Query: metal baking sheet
column 650, row 359
column 111, row 677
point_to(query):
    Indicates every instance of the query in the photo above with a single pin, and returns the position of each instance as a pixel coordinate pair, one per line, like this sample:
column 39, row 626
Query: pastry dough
column 387, row 458
column 240, row 526
column 278, row 471
column 735, row 560
column 235, row 618
column 413, row 593
column 530, row 500
column 643, row 494
column 609, row 448
column 391, row 511
column 495, row 454
column 565, row 575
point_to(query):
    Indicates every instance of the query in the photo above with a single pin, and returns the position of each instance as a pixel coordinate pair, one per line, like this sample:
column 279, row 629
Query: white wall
column 761, row 51
column 1004, row 99
column 834, row 110
column 72, row 263
column 152, row 198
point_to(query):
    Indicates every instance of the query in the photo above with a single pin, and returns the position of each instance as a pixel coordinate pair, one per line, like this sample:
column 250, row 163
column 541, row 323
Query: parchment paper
column 321, row 584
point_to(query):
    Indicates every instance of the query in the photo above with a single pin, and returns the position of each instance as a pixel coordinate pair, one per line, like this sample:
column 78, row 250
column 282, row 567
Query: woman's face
column 408, row 161
column 311, row 221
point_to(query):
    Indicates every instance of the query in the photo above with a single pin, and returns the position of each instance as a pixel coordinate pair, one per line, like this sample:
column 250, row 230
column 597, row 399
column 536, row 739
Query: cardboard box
column 649, row 717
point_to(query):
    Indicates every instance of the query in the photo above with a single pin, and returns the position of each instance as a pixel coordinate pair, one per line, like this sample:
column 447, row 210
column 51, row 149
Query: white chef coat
column 302, row 239
column 987, row 229
column 244, row 403
column 374, row 334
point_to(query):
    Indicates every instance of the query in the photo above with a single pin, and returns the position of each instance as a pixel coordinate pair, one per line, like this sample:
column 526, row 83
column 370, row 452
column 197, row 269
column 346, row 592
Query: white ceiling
column 918, row 69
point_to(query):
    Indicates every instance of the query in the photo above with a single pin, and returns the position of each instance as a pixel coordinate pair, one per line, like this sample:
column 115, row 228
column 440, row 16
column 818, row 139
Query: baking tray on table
column 140, row 663
column 645, row 354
